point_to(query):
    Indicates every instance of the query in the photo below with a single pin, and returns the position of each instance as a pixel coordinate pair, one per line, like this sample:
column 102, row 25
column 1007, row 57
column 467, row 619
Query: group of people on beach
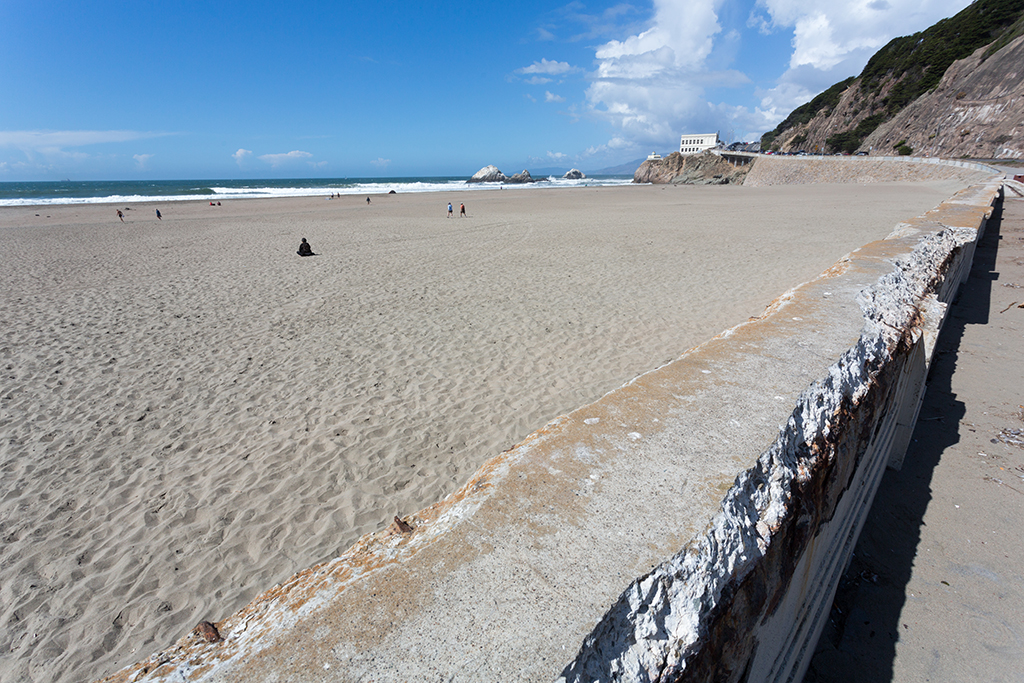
column 304, row 247
column 337, row 195
column 120, row 214
column 159, row 216
column 306, row 250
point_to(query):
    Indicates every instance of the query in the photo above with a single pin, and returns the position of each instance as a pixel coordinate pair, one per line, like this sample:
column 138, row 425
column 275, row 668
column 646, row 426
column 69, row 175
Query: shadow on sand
column 859, row 641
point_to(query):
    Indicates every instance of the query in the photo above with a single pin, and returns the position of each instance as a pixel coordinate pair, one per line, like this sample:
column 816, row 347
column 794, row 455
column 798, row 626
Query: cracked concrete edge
column 708, row 612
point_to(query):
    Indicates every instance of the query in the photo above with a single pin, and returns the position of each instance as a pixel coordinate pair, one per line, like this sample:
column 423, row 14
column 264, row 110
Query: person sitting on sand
column 305, row 249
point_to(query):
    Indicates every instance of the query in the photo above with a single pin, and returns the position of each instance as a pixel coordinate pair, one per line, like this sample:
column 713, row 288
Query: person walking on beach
column 462, row 210
column 367, row 200
column 450, row 214
column 121, row 215
column 158, row 216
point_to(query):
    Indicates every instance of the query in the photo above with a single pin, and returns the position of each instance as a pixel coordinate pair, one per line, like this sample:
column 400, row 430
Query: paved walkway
column 936, row 588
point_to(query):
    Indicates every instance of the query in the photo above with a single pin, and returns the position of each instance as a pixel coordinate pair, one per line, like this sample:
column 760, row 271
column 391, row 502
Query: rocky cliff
column 952, row 90
column 977, row 111
column 705, row 168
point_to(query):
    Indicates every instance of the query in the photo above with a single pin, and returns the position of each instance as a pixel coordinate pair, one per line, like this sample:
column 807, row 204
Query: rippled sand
column 190, row 413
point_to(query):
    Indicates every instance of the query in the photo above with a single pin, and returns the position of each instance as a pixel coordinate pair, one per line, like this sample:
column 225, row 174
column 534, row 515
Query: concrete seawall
column 691, row 525
column 804, row 170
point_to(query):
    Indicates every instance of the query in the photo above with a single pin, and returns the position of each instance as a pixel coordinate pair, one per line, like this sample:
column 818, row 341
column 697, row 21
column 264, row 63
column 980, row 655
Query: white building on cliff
column 693, row 144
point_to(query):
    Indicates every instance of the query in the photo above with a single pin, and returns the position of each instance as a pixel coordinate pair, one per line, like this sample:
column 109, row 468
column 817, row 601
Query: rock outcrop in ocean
column 522, row 177
column 488, row 174
column 491, row 174
column 574, row 174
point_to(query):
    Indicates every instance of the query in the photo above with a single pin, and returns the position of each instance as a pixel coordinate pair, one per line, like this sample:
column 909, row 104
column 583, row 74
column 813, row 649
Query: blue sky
column 169, row 89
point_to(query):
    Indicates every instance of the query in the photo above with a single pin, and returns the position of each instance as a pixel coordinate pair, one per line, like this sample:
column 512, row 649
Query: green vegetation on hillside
column 918, row 62
column 850, row 140
column 805, row 112
column 1008, row 35
column 914, row 64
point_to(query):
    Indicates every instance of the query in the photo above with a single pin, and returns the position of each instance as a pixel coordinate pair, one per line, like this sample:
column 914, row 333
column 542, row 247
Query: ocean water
column 123, row 191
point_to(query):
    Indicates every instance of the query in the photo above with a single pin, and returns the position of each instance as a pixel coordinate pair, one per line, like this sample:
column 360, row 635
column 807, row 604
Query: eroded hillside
column 954, row 89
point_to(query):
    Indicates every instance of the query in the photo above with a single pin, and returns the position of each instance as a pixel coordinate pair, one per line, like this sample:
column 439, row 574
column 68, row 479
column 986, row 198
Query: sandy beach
column 190, row 412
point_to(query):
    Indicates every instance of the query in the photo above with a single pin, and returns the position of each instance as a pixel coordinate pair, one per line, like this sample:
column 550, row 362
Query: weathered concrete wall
column 747, row 601
column 528, row 572
column 804, row 170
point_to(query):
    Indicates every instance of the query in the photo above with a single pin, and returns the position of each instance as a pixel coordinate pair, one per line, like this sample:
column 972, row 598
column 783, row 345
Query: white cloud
column 47, row 150
column 815, row 43
column 381, row 163
column 609, row 22
column 652, row 86
column 242, row 155
column 57, row 139
column 537, row 80
column 52, row 151
column 826, row 34
column 557, row 156
column 760, row 22
column 551, row 97
column 832, row 41
column 276, row 160
column 546, row 66
column 680, row 38
column 776, row 103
